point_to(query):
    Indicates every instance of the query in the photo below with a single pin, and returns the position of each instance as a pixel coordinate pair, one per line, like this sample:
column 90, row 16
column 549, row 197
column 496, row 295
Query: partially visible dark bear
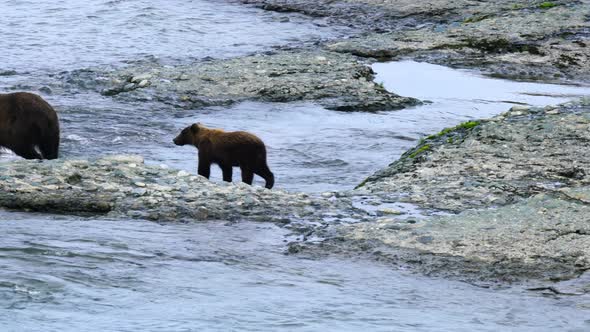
column 28, row 122
column 228, row 149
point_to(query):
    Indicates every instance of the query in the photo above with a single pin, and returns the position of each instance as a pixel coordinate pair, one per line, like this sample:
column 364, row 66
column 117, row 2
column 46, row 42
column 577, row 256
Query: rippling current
column 60, row 273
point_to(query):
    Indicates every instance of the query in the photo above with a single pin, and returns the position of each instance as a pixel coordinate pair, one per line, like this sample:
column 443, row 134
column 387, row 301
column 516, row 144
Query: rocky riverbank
column 518, row 190
column 123, row 186
column 528, row 40
column 493, row 162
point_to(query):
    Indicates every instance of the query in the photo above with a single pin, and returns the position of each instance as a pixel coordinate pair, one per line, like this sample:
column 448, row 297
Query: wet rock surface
column 546, row 237
column 336, row 81
column 123, row 186
column 530, row 40
column 517, row 190
column 380, row 16
column 494, row 162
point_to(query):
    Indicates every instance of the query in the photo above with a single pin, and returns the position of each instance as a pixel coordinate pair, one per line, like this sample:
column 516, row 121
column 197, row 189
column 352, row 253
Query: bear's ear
column 195, row 128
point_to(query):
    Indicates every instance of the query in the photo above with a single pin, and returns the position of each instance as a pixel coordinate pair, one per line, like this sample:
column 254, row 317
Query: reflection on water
column 451, row 88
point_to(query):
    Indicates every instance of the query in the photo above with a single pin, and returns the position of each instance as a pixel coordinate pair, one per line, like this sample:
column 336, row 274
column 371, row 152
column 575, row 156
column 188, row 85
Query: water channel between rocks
column 64, row 273
column 61, row 274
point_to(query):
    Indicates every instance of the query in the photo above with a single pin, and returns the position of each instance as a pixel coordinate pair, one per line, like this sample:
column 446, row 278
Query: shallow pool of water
column 469, row 92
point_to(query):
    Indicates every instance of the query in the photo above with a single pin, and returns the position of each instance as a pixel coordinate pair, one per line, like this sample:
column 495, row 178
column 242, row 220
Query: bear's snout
column 176, row 141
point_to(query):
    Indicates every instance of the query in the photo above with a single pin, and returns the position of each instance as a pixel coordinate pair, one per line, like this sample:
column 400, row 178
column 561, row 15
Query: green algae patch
column 468, row 125
column 547, row 5
column 455, row 135
column 362, row 183
column 463, row 126
column 421, row 149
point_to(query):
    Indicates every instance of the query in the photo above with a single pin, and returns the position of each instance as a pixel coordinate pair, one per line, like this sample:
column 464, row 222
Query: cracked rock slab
column 528, row 40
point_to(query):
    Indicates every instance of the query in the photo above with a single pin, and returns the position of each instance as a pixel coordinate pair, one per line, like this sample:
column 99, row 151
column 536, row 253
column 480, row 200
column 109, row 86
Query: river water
column 61, row 273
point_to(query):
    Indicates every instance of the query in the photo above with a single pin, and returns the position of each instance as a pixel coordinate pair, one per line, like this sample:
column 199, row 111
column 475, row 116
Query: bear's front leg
column 26, row 150
column 204, row 168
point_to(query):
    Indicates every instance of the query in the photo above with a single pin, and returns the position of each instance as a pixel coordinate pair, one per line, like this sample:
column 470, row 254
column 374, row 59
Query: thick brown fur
column 28, row 122
column 228, row 149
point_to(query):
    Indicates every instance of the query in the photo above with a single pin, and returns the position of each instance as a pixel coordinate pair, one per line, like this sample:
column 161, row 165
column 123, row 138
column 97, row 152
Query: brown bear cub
column 28, row 123
column 228, row 149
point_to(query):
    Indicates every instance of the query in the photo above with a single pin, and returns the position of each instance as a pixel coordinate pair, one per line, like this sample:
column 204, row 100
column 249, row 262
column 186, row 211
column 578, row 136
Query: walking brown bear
column 28, row 122
column 228, row 149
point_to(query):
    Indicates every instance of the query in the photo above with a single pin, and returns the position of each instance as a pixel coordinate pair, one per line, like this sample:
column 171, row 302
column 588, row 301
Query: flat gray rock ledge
column 546, row 237
column 516, row 191
column 493, row 162
column 336, row 81
column 525, row 40
column 123, row 186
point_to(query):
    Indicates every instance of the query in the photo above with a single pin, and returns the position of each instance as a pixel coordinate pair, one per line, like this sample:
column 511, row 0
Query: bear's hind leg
column 267, row 175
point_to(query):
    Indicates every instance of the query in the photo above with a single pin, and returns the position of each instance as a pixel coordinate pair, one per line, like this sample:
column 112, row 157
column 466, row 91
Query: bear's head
column 187, row 135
